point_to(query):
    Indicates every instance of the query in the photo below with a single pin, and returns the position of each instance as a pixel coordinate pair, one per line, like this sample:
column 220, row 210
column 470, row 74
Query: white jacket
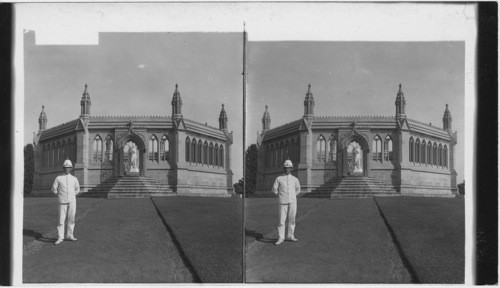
column 287, row 187
column 66, row 187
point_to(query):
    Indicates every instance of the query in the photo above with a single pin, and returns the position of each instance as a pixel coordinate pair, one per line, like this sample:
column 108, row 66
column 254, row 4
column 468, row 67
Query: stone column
column 182, row 165
column 306, row 159
column 82, row 158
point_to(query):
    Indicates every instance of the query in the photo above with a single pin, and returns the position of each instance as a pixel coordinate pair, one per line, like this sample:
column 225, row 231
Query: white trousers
column 66, row 214
column 287, row 211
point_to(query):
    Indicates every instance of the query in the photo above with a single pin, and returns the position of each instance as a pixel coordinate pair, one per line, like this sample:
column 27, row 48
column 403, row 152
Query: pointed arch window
column 434, row 154
column 297, row 151
column 192, row 154
column 321, row 149
column 216, row 154
column 153, row 148
column 445, row 156
column 287, row 152
column 411, row 149
column 332, row 147
column 429, row 152
column 58, row 153
column 97, row 146
column 377, row 148
column 440, row 155
column 423, row 153
column 63, row 150
column 211, row 154
column 53, row 155
column 276, row 155
column 188, row 145
column 109, row 148
column 199, row 150
column 205, row 153
column 74, row 150
column 292, row 151
column 221, row 155
column 281, row 153
column 388, row 148
column 164, row 148
column 417, row 150
column 271, row 159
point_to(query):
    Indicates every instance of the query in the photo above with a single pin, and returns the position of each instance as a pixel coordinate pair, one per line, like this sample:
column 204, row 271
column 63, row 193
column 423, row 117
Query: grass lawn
column 209, row 232
column 262, row 215
column 41, row 215
column 119, row 241
column 431, row 233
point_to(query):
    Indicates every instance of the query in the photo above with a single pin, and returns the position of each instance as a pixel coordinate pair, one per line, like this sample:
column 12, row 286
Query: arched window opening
column 434, row 154
column 216, row 155
column 321, row 149
column 440, row 155
column 192, row 154
column 97, row 145
column 332, row 147
column 297, row 151
column 417, row 151
column 445, row 156
column 165, row 148
column 377, row 148
column 271, row 160
column 205, row 153
column 429, row 153
column 276, row 155
column 280, row 157
column 211, row 154
column 199, row 151
column 109, row 148
column 388, row 148
column 153, row 148
column 221, row 155
column 287, row 152
column 411, row 149
column 58, row 153
column 423, row 152
column 292, row 151
column 188, row 145
column 63, row 150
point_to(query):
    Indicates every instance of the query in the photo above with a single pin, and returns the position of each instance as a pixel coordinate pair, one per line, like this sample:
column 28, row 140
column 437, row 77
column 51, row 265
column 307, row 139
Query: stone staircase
column 353, row 187
column 130, row 187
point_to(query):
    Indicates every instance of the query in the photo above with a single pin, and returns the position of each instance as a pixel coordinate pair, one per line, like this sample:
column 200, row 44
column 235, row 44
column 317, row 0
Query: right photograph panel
column 355, row 162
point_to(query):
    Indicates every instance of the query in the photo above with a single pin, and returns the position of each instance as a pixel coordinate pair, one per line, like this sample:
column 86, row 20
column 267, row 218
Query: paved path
column 119, row 241
column 342, row 241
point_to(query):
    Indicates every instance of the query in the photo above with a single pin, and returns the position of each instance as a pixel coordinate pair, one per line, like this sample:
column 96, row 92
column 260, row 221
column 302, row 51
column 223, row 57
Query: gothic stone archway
column 124, row 145
column 354, row 151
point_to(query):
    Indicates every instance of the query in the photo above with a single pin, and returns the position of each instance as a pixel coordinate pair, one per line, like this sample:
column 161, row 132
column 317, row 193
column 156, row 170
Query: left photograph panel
column 131, row 159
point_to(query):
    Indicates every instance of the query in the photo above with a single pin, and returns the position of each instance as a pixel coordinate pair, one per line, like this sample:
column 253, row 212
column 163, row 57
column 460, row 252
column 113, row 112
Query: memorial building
column 360, row 156
column 136, row 156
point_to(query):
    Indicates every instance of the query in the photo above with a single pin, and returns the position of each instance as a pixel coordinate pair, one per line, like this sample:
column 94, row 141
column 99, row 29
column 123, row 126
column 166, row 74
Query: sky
column 357, row 79
column 134, row 74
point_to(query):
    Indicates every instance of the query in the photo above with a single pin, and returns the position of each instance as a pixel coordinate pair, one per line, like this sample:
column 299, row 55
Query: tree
column 238, row 187
column 461, row 188
column 251, row 162
column 29, row 168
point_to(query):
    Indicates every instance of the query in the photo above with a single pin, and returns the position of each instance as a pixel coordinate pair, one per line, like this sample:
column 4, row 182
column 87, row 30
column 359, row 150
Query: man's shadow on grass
column 258, row 236
column 37, row 236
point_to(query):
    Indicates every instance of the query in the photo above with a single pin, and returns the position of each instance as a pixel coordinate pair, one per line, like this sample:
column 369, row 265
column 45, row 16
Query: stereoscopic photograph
column 250, row 143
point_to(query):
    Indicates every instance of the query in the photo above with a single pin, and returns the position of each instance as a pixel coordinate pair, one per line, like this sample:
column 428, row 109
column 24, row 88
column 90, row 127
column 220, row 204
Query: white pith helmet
column 288, row 164
column 67, row 164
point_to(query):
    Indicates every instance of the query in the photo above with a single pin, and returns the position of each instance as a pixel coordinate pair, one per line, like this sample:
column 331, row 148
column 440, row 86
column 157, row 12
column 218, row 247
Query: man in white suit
column 66, row 187
column 287, row 187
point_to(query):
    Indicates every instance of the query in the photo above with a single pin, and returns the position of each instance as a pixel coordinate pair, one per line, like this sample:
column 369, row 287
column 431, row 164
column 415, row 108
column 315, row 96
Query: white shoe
column 293, row 239
column 59, row 241
column 71, row 238
column 279, row 242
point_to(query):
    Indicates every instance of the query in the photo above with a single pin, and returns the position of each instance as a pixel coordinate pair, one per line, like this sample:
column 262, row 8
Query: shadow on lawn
column 258, row 236
column 37, row 236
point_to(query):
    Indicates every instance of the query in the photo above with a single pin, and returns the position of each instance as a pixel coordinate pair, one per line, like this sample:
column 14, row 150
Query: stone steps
column 130, row 187
column 353, row 187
